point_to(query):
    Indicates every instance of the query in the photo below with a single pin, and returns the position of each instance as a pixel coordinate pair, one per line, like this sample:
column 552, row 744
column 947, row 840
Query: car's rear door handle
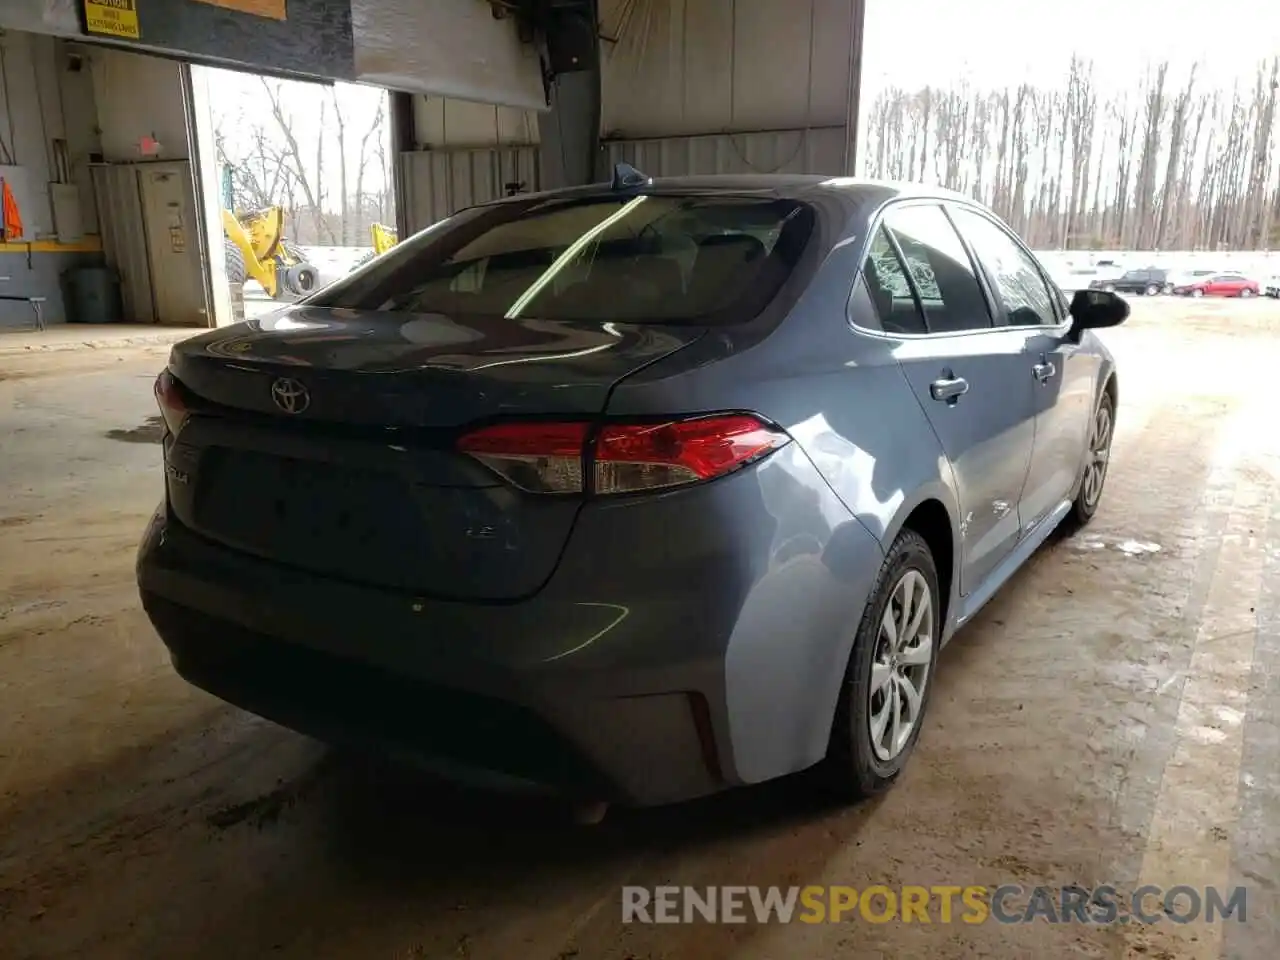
column 1043, row 370
column 949, row 389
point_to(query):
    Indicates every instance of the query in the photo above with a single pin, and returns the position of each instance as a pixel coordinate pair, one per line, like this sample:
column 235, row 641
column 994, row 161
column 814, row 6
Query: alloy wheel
column 901, row 666
column 1095, row 470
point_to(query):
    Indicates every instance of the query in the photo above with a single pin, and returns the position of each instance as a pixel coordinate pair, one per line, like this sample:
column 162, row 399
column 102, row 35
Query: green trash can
column 92, row 295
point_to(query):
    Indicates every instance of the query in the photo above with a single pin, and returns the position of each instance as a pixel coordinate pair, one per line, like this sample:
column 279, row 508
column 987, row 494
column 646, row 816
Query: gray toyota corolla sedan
column 635, row 491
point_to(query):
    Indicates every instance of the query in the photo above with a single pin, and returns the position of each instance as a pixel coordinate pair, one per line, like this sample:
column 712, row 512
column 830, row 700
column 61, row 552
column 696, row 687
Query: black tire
column 852, row 770
column 1083, row 507
column 1152, row 290
column 1246, row 293
column 301, row 279
column 236, row 272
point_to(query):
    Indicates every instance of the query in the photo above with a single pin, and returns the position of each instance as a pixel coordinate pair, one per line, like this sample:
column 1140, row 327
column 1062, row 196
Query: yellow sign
column 112, row 18
column 271, row 9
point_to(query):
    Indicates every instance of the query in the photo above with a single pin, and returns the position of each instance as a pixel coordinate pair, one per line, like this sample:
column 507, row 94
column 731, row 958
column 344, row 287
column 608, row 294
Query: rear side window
column 1028, row 300
column 647, row 258
column 890, row 290
column 940, row 269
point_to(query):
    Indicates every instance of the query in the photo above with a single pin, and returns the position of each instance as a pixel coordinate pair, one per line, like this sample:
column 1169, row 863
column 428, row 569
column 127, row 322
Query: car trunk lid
column 352, row 471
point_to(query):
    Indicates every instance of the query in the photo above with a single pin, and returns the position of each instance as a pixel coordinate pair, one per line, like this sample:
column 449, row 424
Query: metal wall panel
column 138, row 95
column 685, row 67
column 819, row 150
column 451, row 48
column 167, row 192
column 439, row 122
column 124, row 239
column 436, row 183
column 41, row 101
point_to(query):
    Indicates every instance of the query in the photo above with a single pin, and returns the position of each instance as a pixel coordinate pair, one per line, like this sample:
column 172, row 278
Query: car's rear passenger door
column 969, row 377
column 1063, row 377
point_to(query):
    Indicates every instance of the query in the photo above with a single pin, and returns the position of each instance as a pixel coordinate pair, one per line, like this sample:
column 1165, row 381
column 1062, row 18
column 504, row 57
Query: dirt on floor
column 1113, row 716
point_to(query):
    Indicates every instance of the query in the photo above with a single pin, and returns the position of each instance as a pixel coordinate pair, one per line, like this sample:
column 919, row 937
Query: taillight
column 169, row 396
column 624, row 457
column 538, row 457
column 646, row 456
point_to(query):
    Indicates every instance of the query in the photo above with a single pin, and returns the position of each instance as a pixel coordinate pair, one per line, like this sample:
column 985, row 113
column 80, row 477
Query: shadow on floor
column 150, row 431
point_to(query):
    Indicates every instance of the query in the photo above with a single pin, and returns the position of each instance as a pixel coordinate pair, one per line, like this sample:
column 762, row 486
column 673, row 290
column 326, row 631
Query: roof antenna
column 626, row 176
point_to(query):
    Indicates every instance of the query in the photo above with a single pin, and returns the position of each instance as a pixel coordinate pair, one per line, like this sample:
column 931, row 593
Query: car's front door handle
column 1043, row 370
column 949, row 389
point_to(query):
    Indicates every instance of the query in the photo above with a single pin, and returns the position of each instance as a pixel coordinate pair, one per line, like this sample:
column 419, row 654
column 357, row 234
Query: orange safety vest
column 12, row 218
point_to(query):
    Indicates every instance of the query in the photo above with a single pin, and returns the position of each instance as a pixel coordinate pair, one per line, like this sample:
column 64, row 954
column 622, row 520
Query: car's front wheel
column 1197, row 293
column 890, row 673
column 1152, row 290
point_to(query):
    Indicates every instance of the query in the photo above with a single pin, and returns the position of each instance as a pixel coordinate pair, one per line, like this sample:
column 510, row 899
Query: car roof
column 782, row 185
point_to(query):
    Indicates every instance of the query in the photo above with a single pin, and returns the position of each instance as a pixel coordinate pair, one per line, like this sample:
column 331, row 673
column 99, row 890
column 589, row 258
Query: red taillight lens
column 173, row 407
column 538, row 457
column 632, row 457
column 626, row 457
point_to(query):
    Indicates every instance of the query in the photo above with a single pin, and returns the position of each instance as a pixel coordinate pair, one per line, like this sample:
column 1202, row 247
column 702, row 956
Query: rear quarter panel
column 865, row 451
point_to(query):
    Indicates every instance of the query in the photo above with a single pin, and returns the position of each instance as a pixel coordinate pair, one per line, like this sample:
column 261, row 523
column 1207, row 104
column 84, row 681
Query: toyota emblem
column 289, row 395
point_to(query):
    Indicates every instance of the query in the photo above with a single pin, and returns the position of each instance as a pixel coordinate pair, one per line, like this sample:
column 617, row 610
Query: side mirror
column 1092, row 309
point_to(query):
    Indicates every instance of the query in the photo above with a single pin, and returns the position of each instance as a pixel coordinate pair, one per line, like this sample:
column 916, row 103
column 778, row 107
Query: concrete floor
column 1113, row 716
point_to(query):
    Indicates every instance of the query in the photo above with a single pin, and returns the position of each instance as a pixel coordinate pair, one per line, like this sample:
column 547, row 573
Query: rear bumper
column 706, row 652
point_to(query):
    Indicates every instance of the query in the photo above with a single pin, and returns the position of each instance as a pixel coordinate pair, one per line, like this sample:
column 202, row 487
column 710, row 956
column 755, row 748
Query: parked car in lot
column 1182, row 278
column 1218, row 285
column 1150, row 282
column 639, row 490
column 1272, row 288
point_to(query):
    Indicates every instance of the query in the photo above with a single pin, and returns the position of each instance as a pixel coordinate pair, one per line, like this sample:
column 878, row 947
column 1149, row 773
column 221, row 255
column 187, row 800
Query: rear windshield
column 634, row 258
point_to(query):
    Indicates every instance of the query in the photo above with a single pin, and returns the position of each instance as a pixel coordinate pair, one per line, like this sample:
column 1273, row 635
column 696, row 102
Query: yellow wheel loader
column 384, row 238
column 255, row 247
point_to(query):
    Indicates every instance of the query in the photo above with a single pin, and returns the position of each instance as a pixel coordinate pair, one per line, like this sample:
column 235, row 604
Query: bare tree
column 1177, row 165
column 1177, row 136
column 344, row 199
column 375, row 129
column 312, row 191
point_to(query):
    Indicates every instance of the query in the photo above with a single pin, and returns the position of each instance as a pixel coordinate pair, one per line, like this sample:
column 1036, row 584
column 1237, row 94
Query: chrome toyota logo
column 289, row 395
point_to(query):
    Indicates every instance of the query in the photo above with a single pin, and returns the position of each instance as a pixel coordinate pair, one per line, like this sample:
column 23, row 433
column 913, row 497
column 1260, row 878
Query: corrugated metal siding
column 437, row 183
column 689, row 67
column 451, row 48
column 138, row 95
column 442, row 123
column 124, row 239
column 816, row 150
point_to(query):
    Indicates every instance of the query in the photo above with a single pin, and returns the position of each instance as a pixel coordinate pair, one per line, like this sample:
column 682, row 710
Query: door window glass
column 1027, row 298
column 886, row 282
column 940, row 269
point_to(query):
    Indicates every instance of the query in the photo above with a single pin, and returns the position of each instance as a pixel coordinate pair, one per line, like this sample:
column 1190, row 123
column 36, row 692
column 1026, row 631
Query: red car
column 1219, row 285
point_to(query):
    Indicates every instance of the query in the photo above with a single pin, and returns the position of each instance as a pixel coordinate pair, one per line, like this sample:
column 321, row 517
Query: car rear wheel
column 890, row 673
column 1152, row 290
column 1097, row 459
column 1197, row 293
column 1246, row 293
